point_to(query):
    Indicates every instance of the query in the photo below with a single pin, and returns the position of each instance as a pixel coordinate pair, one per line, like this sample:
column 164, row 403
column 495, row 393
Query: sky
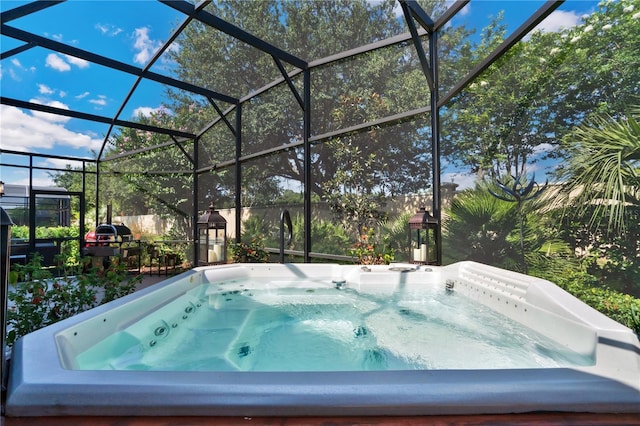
column 132, row 36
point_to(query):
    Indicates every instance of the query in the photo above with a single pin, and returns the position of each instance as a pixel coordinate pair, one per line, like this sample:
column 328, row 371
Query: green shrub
column 22, row 232
column 249, row 252
column 372, row 249
column 69, row 250
column 37, row 299
column 620, row 307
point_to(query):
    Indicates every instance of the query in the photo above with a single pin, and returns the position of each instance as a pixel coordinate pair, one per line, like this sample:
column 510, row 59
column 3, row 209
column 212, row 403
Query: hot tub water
column 319, row 326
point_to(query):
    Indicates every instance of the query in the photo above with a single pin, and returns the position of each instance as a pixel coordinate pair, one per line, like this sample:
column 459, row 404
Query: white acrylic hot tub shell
column 43, row 381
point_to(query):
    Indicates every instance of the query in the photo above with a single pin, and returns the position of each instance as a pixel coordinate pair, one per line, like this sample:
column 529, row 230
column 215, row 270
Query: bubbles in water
column 323, row 329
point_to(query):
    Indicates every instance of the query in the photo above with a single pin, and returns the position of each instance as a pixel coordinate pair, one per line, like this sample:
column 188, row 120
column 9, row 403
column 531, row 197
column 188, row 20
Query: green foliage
column 601, row 197
column 69, row 250
column 176, row 246
column 22, row 232
column 72, row 180
column 345, row 94
column 372, row 249
column 395, row 236
column 519, row 109
column 252, row 251
column 37, row 299
column 482, row 228
column 479, row 227
column 354, row 193
column 256, row 226
column 598, row 65
column 326, row 236
column 602, row 173
column 620, row 307
column 613, row 258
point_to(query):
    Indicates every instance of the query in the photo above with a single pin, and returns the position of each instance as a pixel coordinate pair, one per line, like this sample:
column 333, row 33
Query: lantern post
column 422, row 238
column 212, row 238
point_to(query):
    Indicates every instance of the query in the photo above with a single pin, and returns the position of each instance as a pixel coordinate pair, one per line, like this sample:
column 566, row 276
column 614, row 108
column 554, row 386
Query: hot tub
column 128, row 357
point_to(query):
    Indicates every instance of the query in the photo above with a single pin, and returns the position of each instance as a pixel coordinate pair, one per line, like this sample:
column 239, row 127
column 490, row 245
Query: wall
column 153, row 225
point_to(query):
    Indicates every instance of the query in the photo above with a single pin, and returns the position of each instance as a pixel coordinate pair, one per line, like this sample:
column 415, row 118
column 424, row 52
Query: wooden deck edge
column 547, row 419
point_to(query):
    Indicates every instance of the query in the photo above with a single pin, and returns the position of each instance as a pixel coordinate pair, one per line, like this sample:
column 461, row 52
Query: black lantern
column 212, row 238
column 422, row 238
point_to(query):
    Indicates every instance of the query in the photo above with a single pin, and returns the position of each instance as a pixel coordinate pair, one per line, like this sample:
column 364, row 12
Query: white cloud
column 558, row 20
column 108, row 29
column 144, row 111
column 60, row 38
column 464, row 180
column 44, row 89
column 57, row 63
column 101, row 100
column 63, row 63
column 59, row 163
column 40, row 178
column 80, row 63
column 145, row 46
column 82, row 95
column 26, row 132
column 104, row 29
column 16, row 69
column 542, row 149
column 53, row 118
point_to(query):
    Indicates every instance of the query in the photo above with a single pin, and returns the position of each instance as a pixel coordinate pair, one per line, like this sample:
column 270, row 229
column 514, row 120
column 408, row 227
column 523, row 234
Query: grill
column 109, row 233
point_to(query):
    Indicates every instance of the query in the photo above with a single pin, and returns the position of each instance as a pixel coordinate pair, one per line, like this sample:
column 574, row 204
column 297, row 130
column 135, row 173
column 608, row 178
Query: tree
column 598, row 65
column 517, row 112
column 72, row 181
column 603, row 169
column 345, row 93
column 477, row 227
column 601, row 195
column 158, row 181
column 483, row 228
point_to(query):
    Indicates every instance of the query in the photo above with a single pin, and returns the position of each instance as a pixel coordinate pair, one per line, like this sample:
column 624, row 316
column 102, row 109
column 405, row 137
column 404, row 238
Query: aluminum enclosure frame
column 413, row 13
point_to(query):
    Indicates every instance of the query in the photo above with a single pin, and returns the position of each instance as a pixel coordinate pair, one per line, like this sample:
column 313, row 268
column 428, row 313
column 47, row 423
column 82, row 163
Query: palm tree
column 478, row 227
column 602, row 171
column 481, row 227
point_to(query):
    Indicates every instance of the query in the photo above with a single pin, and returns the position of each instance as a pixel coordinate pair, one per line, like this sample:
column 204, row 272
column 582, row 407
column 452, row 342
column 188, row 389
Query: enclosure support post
column 5, row 239
column 238, row 200
column 307, row 164
column 195, row 212
column 97, row 193
column 32, row 209
column 435, row 143
column 83, row 207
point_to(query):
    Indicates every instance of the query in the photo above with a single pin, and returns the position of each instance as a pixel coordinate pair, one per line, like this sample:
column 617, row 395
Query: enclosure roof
column 75, row 72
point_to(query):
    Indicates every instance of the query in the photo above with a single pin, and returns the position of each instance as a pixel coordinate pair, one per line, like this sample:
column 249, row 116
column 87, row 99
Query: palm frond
column 603, row 169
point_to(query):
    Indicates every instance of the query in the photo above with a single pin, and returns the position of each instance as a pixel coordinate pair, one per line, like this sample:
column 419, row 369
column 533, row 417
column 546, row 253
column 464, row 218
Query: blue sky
column 130, row 35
